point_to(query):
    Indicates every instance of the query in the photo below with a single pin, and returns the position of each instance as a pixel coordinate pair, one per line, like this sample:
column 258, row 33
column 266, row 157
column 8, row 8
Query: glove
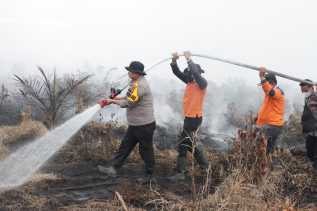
column 114, row 92
column 175, row 57
column 262, row 71
column 103, row 103
column 188, row 55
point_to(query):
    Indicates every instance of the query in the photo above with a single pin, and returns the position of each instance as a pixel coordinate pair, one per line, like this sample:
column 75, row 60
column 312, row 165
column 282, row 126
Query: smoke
column 243, row 96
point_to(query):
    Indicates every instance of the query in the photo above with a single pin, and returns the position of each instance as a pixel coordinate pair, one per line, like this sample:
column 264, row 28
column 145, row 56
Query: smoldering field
column 236, row 92
column 229, row 104
column 70, row 180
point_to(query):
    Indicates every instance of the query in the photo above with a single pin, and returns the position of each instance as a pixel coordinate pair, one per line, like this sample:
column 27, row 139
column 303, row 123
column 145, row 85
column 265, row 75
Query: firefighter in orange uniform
column 271, row 115
column 193, row 100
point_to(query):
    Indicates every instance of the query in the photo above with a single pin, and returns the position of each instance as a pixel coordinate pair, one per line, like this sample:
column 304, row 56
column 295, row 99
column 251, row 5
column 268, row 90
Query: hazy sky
column 69, row 34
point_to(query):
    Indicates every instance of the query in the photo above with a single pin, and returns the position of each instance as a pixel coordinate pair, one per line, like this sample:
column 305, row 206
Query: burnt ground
column 71, row 177
column 77, row 184
column 71, row 181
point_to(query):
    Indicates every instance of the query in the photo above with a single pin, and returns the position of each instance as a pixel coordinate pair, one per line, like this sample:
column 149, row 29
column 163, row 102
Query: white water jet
column 18, row 167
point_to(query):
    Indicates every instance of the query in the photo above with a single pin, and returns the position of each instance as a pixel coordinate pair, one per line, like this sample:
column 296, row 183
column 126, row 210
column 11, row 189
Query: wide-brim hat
column 136, row 67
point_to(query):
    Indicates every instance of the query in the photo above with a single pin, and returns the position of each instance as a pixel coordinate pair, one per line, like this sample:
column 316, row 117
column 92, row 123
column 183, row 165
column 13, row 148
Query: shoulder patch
column 132, row 93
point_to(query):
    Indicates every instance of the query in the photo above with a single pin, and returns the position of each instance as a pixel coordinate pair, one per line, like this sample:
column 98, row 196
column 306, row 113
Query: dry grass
column 244, row 187
column 26, row 130
column 236, row 193
column 3, row 151
column 38, row 177
column 94, row 142
column 235, row 181
column 113, row 205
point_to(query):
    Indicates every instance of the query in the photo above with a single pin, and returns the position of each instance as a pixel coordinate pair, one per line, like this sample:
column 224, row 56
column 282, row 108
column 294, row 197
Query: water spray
column 19, row 166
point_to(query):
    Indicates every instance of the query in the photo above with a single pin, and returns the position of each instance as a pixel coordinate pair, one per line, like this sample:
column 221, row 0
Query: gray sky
column 281, row 35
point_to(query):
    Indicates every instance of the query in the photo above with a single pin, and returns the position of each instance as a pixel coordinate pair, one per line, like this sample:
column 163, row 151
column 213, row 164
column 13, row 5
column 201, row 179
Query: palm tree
column 49, row 94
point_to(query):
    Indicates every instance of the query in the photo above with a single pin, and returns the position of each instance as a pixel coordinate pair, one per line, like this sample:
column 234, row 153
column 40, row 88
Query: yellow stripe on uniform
column 134, row 97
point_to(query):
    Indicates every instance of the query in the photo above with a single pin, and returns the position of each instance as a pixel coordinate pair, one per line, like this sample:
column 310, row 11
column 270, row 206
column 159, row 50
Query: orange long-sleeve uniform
column 193, row 100
column 195, row 91
column 273, row 108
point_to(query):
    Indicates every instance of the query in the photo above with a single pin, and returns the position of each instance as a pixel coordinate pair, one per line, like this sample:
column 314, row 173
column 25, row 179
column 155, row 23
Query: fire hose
column 115, row 92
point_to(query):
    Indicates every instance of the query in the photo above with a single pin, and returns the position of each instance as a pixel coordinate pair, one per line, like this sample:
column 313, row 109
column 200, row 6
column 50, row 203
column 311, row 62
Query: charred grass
column 71, row 181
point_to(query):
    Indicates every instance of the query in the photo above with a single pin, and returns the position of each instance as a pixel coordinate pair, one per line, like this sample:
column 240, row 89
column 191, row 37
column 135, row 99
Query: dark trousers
column 272, row 133
column 137, row 134
column 311, row 147
column 187, row 139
